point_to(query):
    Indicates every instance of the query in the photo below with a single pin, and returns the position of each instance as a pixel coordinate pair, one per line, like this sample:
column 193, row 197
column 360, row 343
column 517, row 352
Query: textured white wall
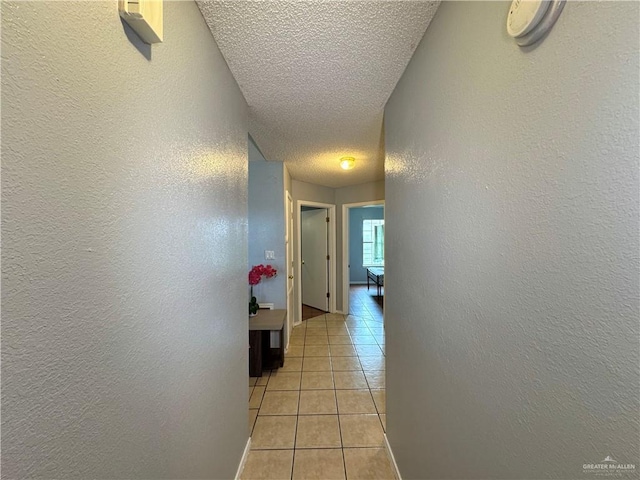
column 312, row 192
column 267, row 228
column 363, row 192
column 512, row 298
column 124, row 223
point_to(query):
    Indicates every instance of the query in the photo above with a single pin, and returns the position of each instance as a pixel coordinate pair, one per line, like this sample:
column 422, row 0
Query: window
column 372, row 243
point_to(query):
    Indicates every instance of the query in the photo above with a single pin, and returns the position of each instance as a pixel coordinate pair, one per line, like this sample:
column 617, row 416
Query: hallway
column 323, row 414
column 510, row 179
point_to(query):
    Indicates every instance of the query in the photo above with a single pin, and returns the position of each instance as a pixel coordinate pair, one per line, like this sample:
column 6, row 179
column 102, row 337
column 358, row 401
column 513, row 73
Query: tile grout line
column 355, row 353
column 335, row 395
column 295, row 433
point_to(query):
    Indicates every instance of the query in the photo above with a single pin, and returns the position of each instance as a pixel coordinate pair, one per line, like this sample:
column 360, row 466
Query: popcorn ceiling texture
column 124, row 230
column 316, row 76
column 512, row 298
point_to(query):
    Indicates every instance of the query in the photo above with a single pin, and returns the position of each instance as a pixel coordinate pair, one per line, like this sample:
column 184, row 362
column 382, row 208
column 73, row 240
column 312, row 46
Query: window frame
column 375, row 222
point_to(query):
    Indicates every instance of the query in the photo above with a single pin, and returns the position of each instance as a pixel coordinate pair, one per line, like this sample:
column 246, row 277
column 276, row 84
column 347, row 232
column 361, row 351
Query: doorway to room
column 316, row 262
column 363, row 256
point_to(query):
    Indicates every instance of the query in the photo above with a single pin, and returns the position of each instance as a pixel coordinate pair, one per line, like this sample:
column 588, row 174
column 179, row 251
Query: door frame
column 288, row 208
column 332, row 254
column 345, row 248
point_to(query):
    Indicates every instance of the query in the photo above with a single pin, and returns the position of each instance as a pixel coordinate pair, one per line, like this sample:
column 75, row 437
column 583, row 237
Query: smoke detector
column 530, row 20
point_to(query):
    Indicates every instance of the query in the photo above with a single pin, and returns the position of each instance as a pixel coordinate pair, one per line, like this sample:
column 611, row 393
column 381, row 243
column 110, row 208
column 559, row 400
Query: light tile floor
column 322, row 416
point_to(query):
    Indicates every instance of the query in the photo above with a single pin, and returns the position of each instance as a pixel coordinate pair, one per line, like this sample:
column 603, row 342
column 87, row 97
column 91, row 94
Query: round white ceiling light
column 530, row 20
column 347, row 163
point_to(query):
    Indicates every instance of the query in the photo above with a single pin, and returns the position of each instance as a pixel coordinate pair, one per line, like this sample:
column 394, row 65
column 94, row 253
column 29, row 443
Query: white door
column 289, row 260
column 315, row 264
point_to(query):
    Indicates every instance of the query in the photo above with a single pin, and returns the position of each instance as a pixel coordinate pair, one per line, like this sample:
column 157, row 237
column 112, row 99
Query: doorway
column 290, row 263
column 316, row 265
column 314, row 259
column 356, row 272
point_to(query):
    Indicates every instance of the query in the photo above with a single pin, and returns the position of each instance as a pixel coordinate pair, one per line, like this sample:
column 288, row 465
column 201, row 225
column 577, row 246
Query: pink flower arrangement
column 255, row 276
column 259, row 271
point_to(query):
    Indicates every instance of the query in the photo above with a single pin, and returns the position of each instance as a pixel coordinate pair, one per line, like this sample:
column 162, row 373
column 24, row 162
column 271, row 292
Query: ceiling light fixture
column 347, row 163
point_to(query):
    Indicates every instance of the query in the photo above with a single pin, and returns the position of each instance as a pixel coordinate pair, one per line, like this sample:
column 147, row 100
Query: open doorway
column 316, row 263
column 314, row 257
column 363, row 254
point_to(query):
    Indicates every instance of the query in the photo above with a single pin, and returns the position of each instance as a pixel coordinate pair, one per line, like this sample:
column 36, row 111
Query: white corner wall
column 267, row 228
column 124, row 229
column 512, row 298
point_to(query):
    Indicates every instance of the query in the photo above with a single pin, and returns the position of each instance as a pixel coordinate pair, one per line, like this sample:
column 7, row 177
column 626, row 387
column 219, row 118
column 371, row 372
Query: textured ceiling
column 317, row 74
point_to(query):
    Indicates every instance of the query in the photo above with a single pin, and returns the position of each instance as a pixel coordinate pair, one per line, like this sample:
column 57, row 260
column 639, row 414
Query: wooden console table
column 261, row 355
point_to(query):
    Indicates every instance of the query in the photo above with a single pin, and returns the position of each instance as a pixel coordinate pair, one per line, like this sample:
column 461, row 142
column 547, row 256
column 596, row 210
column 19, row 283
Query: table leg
column 255, row 353
column 282, row 346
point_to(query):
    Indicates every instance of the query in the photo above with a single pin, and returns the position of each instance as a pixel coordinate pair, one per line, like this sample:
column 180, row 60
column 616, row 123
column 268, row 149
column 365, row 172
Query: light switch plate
column 144, row 17
column 269, row 255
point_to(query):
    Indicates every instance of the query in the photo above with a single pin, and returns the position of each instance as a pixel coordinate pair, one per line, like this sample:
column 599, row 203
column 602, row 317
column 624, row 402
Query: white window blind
column 372, row 243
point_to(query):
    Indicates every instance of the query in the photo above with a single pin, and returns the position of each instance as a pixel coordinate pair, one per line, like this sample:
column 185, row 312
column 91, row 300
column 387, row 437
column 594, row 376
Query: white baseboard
column 243, row 460
column 340, row 312
column 387, row 447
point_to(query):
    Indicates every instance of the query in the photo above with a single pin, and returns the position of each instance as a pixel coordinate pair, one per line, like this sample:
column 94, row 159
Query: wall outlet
column 269, row 255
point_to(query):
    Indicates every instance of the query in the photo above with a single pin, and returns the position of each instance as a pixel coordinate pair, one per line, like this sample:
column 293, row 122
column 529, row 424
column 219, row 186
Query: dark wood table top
column 268, row 320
